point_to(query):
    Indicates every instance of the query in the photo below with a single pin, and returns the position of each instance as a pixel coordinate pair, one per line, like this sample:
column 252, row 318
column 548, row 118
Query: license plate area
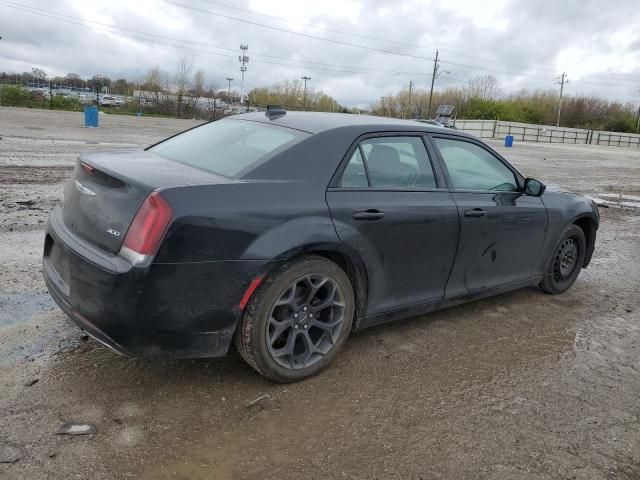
column 58, row 268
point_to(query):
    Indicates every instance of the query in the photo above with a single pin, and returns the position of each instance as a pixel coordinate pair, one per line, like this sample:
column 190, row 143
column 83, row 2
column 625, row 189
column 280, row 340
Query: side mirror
column 534, row 187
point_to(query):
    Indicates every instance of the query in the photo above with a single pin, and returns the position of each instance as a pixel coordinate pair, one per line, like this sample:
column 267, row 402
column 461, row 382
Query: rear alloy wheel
column 297, row 320
column 566, row 263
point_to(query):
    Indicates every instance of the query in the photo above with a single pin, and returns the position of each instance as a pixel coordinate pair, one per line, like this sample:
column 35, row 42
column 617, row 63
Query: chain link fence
column 525, row 132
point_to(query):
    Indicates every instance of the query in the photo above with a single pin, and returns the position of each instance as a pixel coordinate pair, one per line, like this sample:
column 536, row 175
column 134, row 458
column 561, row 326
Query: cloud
column 524, row 44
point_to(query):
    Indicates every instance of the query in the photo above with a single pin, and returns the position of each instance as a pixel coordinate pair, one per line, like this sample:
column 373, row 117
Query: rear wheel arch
column 356, row 271
column 349, row 261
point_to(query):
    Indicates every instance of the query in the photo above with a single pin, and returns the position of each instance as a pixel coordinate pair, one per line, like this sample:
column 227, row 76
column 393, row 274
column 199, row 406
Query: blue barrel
column 508, row 141
column 90, row 116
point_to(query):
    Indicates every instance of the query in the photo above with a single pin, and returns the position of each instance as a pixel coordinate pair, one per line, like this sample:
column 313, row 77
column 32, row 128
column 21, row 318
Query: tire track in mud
column 34, row 175
column 28, row 193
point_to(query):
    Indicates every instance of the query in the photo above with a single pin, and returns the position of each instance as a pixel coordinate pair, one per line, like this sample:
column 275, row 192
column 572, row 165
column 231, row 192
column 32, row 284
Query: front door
column 502, row 230
column 388, row 207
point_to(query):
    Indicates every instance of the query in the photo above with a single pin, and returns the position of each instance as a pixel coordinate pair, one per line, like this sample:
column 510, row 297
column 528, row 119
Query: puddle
column 616, row 199
column 21, row 307
column 33, row 328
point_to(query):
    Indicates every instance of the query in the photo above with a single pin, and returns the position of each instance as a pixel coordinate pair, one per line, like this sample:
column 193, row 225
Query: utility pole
column 243, row 59
column 139, row 99
column 433, row 79
column 410, row 90
column 304, row 95
column 229, row 79
column 50, row 96
column 562, row 80
column 638, row 119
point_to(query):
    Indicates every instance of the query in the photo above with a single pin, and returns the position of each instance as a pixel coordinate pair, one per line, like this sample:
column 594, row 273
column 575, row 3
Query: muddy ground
column 519, row 386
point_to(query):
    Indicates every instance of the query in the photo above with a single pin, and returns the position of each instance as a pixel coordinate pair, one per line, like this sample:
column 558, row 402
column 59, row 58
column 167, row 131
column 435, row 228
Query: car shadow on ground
column 463, row 325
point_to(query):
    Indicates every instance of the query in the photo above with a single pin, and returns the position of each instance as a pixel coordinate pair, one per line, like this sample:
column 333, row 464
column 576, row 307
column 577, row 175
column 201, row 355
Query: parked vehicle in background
column 287, row 231
column 107, row 100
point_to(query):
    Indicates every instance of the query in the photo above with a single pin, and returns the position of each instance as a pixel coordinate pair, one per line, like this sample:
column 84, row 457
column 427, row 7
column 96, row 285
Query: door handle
column 370, row 215
column 475, row 213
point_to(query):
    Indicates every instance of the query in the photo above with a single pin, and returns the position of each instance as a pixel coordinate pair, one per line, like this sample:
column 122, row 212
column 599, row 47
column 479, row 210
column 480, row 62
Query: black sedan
column 284, row 232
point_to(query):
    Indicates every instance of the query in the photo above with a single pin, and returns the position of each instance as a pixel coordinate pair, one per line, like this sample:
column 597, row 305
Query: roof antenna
column 275, row 111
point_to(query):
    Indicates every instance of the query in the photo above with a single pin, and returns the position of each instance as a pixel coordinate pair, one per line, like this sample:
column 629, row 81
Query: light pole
column 98, row 83
column 229, row 79
column 304, row 95
column 243, row 59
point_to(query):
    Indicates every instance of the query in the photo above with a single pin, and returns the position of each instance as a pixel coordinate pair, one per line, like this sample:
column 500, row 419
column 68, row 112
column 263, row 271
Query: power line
column 344, row 43
column 111, row 26
column 338, row 42
column 110, row 29
column 368, row 37
column 344, row 69
column 271, row 27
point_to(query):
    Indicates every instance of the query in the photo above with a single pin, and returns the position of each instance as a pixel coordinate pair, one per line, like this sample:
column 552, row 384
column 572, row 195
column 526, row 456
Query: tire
column 278, row 335
column 566, row 261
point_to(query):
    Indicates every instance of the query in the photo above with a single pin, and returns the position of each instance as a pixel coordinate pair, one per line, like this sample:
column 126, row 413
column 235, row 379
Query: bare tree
column 198, row 83
column 182, row 79
column 153, row 83
column 39, row 74
column 485, row 87
column 210, row 105
column 290, row 95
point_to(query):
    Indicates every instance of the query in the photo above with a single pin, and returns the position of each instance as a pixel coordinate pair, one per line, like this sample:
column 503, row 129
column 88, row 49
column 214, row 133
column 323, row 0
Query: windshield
column 226, row 147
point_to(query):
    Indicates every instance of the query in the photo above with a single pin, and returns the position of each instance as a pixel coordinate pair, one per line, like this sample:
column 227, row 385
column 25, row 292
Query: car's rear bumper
column 182, row 310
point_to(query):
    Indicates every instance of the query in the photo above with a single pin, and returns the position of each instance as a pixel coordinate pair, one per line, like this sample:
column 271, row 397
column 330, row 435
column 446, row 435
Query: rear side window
column 389, row 162
column 226, row 147
column 473, row 168
column 355, row 175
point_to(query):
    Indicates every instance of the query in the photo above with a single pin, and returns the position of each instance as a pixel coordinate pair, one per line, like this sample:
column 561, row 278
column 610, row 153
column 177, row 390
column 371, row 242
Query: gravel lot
column 522, row 386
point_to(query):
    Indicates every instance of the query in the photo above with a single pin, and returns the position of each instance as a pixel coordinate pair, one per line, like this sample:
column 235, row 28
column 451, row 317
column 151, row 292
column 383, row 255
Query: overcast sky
column 524, row 43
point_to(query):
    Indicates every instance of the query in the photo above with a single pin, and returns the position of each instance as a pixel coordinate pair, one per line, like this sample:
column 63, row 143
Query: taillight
column 87, row 168
column 148, row 226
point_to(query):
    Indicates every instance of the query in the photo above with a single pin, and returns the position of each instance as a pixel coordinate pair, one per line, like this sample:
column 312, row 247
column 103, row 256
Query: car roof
column 316, row 122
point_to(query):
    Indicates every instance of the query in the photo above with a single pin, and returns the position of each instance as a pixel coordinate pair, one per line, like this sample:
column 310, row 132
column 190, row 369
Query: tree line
column 482, row 98
column 183, row 92
column 186, row 92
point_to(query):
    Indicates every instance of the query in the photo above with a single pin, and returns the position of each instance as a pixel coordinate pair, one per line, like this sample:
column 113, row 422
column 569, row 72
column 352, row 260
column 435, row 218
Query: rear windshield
column 226, row 147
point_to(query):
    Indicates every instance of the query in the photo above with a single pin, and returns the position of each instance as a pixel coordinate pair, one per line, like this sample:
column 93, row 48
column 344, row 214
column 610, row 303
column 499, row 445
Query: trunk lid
column 107, row 189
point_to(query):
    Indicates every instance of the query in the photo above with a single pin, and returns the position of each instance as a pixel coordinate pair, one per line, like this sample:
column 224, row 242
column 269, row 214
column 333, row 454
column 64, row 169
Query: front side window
column 473, row 168
column 226, row 147
column 390, row 162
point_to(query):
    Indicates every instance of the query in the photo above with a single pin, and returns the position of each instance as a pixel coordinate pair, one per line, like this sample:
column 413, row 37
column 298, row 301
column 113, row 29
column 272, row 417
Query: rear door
column 502, row 230
column 389, row 204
